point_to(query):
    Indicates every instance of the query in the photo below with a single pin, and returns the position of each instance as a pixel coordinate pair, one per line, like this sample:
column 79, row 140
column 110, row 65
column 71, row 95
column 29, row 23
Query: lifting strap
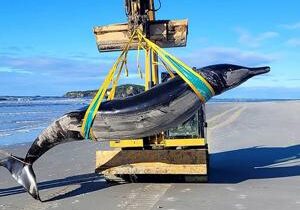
column 198, row 84
column 92, row 110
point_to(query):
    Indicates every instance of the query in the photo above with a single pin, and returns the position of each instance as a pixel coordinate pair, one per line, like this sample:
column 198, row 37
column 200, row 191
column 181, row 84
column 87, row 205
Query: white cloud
column 215, row 55
column 294, row 42
column 246, row 38
column 54, row 66
column 17, row 71
column 292, row 26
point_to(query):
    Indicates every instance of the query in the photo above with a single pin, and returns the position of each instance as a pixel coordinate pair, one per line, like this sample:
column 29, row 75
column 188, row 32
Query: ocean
column 23, row 118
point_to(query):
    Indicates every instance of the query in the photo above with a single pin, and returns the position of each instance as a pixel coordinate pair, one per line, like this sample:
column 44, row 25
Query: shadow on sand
column 254, row 163
column 226, row 167
column 87, row 183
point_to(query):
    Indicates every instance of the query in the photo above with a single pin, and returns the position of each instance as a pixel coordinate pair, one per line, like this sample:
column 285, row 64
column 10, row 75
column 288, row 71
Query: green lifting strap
column 195, row 81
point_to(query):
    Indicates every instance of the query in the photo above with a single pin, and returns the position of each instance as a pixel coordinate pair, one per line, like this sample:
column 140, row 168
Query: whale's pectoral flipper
column 22, row 173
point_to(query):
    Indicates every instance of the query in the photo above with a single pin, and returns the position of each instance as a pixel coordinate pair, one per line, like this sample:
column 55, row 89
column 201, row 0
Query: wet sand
column 255, row 149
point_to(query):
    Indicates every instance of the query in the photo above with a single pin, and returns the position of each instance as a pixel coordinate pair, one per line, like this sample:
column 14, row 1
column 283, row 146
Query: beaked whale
column 158, row 109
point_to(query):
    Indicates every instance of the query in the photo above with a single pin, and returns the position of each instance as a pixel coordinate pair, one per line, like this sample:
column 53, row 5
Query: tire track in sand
column 224, row 119
column 144, row 198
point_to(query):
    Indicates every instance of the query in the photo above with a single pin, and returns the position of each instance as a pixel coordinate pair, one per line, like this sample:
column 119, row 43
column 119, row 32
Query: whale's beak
column 260, row 70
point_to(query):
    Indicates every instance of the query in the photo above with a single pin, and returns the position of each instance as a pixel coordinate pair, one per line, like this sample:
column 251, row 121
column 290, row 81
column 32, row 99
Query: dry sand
column 255, row 149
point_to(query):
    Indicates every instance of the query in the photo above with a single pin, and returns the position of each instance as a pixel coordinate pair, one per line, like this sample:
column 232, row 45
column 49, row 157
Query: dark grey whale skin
column 158, row 109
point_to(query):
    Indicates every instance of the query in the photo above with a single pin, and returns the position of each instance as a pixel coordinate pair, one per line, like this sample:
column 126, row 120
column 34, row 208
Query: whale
column 158, row 109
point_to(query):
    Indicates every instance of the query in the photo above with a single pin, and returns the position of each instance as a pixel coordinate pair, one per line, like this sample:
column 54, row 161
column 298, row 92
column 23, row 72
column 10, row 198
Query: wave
column 43, row 102
column 29, row 112
column 29, row 98
column 5, row 134
column 27, row 121
column 10, row 132
column 24, row 127
column 39, row 99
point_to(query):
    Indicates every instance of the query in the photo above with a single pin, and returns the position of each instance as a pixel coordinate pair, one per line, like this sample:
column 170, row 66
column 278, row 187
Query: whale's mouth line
column 260, row 70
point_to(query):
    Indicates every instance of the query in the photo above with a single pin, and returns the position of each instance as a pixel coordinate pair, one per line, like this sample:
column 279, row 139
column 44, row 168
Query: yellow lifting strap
column 96, row 102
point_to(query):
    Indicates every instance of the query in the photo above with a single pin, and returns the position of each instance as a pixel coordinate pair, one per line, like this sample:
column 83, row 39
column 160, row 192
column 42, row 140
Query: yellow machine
column 175, row 154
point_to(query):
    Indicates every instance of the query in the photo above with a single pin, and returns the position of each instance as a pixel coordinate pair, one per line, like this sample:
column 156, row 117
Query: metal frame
column 185, row 159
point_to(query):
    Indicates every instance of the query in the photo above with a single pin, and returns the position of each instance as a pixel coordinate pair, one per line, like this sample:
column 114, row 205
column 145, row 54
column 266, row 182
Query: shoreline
column 254, row 164
column 6, row 98
column 208, row 104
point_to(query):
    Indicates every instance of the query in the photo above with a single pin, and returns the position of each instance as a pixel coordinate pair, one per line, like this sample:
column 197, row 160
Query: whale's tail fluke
column 22, row 173
column 63, row 130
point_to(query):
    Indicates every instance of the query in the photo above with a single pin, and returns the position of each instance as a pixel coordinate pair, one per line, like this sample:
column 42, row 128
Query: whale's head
column 223, row 77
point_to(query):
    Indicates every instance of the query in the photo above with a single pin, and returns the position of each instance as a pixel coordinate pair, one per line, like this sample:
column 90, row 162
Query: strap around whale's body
column 197, row 83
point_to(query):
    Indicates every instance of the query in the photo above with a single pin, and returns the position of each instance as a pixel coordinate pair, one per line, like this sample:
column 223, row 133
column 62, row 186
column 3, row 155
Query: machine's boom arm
column 139, row 12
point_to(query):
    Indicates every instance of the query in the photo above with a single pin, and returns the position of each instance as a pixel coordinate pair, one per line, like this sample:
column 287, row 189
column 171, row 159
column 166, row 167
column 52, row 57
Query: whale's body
column 161, row 108
column 158, row 109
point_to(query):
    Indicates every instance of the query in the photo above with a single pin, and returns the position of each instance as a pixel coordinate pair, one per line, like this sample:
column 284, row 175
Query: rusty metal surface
column 165, row 33
column 192, row 161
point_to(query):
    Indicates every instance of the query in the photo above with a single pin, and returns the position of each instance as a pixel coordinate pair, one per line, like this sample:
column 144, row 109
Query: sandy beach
column 254, row 147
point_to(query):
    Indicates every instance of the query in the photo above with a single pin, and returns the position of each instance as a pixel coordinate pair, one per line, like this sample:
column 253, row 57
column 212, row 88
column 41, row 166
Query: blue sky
column 47, row 47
